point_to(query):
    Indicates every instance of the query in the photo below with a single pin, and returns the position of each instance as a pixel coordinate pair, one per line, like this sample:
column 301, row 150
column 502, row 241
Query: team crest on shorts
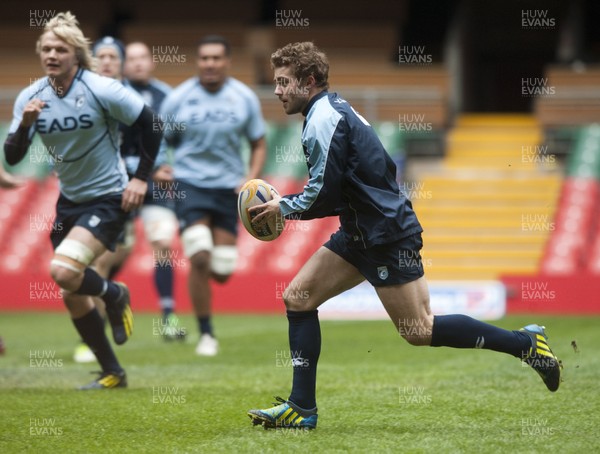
column 94, row 221
column 382, row 272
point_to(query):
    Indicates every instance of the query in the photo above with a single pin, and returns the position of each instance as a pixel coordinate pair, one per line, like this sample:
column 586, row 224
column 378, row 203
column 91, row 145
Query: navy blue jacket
column 350, row 176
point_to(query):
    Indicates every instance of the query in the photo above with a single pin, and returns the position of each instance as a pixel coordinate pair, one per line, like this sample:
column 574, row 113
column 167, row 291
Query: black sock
column 163, row 279
column 91, row 329
column 166, row 310
column 167, row 305
column 114, row 270
column 461, row 331
column 305, row 348
column 205, row 325
column 95, row 285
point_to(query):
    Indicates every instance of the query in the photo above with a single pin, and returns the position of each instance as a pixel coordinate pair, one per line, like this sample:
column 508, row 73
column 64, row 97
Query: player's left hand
column 267, row 211
column 134, row 194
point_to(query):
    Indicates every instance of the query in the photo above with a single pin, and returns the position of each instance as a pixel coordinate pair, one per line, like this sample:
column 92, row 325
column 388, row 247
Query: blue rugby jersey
column 205, row 130
column 80, row 130
column 350, row 176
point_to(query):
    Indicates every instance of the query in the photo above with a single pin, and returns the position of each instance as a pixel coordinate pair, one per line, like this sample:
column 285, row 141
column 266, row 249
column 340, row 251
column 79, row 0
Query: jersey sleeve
column 121, row 103
column 162, row 86
column 163, row 156
column 18, row 108
column 325, row 145
column 168, row 116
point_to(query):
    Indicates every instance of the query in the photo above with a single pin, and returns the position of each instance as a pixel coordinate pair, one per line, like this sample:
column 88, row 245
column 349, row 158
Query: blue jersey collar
column 313, row 100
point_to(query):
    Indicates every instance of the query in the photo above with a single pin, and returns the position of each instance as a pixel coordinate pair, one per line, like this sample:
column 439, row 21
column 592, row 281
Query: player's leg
column 72, row 256
column 118, row 258
column 222, row 261
column 407, row 304
column 408, row 307
column 106, row 265
column 102, row 266
column 109, row 262
column 197, row 245
column 93, row 228
column 194, row 213
column 224, row 255
column 220, row 213
column 69, row 270
column 307, row 291
column 160, row 227
column 83, row 354
column 325, row 275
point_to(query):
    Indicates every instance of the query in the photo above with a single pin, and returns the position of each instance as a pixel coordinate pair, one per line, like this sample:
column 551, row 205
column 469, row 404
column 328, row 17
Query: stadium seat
column 576, row 97
column 577, row 213
column 489, row 212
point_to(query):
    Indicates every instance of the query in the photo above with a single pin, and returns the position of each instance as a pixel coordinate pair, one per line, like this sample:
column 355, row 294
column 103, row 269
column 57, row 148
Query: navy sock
column 91, row 329
column 205, row 325
column 461, row 331
column 167, row 309
column 114, row 270
column 163, row 279
column 95, row 285
column 305, row 348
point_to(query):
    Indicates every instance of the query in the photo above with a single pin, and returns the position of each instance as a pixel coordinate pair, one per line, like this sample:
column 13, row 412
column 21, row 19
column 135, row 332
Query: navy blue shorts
column 384, row 264
column 220, row 205
column 103, row 217
column 162, row 194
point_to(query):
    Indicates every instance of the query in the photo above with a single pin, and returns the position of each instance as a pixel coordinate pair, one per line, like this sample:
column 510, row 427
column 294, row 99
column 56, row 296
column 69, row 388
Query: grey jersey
column 80, row 130
column 206, row 129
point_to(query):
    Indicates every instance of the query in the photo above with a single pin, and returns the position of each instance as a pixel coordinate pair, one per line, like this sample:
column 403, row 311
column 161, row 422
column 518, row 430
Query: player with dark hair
column 76, row 114
column 352, row 176
column 205, row 119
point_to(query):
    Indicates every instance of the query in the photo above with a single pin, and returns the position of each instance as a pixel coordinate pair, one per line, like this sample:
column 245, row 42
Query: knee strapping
column 195, row 239
column 75, row 250
column 224, row 259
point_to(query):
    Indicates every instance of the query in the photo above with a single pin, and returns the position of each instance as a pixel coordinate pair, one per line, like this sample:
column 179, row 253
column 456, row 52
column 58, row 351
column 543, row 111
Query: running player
column 109, row 55
column 77, row 113
column 351, row 175
column 157, row 213
column 205, row 118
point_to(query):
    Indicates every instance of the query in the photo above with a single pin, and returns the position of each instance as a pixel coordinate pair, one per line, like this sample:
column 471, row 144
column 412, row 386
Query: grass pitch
column 375, row 392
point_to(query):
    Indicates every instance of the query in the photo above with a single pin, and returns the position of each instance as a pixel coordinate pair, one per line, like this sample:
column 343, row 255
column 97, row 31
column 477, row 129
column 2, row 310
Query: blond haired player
column 76, row 113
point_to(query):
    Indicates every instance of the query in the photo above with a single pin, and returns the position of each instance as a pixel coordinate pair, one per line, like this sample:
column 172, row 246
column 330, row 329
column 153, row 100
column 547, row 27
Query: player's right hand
column 163, row 174
column 31, row 112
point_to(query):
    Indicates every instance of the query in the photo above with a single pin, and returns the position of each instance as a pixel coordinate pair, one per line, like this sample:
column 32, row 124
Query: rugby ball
column 256, row 192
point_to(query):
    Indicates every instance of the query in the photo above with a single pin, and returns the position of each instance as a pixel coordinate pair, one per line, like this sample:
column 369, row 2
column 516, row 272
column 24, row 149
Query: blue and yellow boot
column 541, row 358
column 284, row 414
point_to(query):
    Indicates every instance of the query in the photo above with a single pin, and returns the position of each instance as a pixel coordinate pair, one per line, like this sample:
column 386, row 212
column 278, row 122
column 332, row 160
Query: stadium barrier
column 567, row 282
